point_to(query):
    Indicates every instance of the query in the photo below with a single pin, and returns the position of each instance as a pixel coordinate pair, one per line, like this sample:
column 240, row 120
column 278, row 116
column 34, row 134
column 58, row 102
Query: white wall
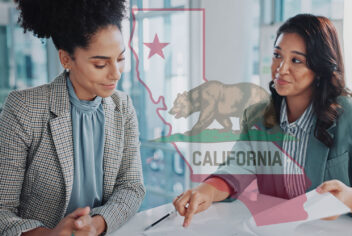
column 347, row 36
column 228, row 40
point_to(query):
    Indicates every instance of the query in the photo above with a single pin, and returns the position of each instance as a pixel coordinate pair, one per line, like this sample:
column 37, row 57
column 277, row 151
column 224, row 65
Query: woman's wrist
column 219, row 183
column 40, row 231
column 99, row 223
column 220, row 190
column 214, row 194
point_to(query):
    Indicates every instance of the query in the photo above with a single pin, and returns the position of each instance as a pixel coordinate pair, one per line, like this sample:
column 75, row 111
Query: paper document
column 220, row 219
column 323, row 205
column 317, row 206
column 235, row 219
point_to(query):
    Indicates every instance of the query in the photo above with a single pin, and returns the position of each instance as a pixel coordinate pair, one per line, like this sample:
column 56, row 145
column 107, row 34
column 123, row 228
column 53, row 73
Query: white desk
column 226, row 219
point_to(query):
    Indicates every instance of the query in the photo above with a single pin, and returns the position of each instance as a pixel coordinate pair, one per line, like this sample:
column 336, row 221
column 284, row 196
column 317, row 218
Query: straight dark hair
column 324, row 58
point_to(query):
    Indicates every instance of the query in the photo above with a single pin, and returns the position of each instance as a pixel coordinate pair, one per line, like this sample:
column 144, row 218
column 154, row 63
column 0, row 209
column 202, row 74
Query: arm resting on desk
column 230, row 177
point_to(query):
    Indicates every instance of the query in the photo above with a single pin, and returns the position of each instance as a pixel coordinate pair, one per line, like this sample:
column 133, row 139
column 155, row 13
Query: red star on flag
column 156, row 47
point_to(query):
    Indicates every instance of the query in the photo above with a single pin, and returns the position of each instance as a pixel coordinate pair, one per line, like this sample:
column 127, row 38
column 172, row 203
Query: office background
column 234, row 49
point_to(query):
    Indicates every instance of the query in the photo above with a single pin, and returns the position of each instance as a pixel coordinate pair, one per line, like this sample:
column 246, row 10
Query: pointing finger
column 192, row 208
column 181, row 203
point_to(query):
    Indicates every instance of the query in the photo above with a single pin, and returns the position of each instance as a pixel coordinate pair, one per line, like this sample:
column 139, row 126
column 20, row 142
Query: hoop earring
column 273, row 85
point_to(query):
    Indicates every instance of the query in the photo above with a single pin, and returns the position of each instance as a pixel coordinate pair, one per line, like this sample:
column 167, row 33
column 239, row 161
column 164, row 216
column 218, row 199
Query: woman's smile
column 280, row 82
column 109, row 86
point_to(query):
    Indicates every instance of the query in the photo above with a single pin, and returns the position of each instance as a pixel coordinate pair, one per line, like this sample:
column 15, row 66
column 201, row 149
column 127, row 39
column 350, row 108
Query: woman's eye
column 295, row 60
column 121, row 59
column 99, row 66
column 276, row 55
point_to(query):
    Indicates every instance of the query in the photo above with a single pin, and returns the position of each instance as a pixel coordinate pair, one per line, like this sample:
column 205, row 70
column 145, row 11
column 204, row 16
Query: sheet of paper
column 198, row 230
column 317, row 206
column 323, row 205
column 214, row 221
column 235, row 219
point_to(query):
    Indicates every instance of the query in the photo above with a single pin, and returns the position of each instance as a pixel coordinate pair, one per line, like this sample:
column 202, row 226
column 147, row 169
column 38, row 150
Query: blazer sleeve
column 15, row 140
column 237, row 177
column 129, row 190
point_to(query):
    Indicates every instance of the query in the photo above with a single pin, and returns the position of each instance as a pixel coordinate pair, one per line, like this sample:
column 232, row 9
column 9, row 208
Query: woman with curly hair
column 69, row 150
column 309, row 101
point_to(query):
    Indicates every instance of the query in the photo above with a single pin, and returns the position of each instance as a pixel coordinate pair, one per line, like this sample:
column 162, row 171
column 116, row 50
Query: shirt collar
column 81, row 104
column 304, row 122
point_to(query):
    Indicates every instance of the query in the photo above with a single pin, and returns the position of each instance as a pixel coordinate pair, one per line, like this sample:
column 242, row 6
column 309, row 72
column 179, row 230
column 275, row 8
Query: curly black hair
column 70, row 23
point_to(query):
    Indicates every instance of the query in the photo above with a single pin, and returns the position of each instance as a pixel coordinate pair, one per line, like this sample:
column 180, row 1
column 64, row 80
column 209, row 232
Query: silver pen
column 161, row 219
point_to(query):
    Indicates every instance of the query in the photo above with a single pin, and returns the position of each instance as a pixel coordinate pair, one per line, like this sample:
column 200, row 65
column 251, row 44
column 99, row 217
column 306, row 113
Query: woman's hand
column 78, row 222
column 196, row 200
column 339, row 190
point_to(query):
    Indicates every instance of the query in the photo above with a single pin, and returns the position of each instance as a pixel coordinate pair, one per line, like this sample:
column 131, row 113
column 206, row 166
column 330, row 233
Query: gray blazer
column 322, row 163
column 36, row 159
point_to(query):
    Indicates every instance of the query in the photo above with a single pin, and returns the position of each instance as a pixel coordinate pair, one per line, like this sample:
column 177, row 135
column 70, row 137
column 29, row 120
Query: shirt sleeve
column 219, row 184
column 235, row 178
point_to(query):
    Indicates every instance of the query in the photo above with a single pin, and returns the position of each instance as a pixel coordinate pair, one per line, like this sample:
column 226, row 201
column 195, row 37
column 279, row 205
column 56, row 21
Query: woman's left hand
column 339, row 190
column 89, row 225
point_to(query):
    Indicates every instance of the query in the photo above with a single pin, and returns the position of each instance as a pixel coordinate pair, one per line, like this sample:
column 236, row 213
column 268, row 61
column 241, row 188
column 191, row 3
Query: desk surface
column 226, row 219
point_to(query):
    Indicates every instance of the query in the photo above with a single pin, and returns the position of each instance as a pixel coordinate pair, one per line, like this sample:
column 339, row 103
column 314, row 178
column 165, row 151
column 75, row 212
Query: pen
column 161, row 219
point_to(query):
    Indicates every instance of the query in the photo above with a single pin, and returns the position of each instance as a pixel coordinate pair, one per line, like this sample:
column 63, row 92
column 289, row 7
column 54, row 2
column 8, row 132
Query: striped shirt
column 294, row 179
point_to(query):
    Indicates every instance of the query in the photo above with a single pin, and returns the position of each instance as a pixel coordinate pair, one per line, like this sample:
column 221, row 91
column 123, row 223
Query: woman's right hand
column 78, row 222
column 197, row 200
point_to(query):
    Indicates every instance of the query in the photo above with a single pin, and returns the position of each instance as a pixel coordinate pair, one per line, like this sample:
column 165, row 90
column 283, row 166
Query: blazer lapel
column 113, row 147
column 316, row 155
column 270, row 131
column 61, row 131
column 316, row 158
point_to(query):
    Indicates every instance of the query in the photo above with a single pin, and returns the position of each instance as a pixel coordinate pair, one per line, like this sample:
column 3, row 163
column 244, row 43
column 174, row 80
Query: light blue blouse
column 88, row 146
